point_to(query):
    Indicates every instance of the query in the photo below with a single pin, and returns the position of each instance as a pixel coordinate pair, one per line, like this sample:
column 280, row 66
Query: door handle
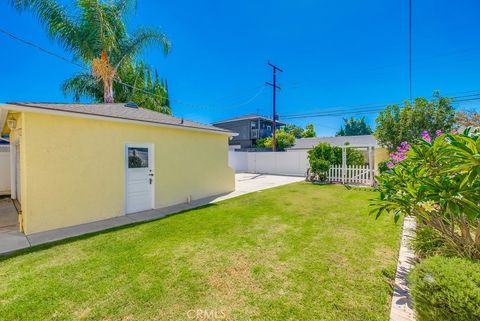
column 151, row 174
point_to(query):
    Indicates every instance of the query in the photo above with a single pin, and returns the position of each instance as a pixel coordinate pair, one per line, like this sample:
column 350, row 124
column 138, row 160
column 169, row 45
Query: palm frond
column 83, row 85
column 54, row 17
column 141, row 39
column 122, row 6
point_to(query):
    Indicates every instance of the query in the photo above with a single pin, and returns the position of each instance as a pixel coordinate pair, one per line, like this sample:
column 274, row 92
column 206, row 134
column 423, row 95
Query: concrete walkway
column 402, row 309
column 245, row 183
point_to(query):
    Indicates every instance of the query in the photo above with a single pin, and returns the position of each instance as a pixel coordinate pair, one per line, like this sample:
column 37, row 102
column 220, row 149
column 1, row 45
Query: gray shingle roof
column 361, row 140
column 119, row 111
column 247, row 117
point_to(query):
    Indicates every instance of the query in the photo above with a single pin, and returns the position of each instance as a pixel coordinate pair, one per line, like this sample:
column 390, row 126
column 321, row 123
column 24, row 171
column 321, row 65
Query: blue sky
column 334, row 54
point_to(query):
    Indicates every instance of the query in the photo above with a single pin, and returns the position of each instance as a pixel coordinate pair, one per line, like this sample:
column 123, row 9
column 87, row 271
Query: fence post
column 344, row 163
column 370, row 163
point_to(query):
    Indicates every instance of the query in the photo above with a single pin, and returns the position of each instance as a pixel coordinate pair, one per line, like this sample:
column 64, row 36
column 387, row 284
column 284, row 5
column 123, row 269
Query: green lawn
column 297, row 252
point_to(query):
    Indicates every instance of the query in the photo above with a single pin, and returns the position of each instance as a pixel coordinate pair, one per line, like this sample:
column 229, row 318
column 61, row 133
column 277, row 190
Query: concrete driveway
column 11, row 240
column 247, row 183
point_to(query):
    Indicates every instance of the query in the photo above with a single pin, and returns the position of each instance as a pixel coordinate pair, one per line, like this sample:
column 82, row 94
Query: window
column 253, row 125
column 137, row 157
column 269, row 128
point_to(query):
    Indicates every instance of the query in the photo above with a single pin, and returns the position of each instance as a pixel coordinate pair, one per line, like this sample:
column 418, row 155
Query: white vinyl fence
column 4, row 169
column 281, row 163
column 295, row 163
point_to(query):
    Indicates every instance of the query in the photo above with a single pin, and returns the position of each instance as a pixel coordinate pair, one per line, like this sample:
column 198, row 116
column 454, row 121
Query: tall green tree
column 283, row 140
column 396, row 125
column 309, row 131
column 294, row 130
column 94, row 31
column 354, row 127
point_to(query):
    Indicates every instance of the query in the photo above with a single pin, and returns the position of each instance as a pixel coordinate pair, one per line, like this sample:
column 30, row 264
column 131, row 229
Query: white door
column 18, row 188
column 139, row 178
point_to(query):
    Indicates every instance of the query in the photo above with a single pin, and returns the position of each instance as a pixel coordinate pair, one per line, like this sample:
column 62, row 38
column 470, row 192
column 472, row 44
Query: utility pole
column 274, row 87
column 410, row 49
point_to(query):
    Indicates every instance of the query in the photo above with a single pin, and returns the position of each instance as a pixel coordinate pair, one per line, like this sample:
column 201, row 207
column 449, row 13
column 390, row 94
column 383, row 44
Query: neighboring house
column 249, row 129
column 79, row 163
column 361, row 142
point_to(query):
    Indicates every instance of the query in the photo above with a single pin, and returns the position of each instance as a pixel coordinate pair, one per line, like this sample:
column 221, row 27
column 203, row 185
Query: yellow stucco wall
column 73, row 169
column 380, row 154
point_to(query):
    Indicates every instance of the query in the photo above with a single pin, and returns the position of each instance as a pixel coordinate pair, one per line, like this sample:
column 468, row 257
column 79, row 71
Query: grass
column 297, row 252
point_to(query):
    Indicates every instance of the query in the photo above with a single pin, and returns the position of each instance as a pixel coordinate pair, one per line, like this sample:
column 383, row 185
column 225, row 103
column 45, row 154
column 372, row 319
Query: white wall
column 4, row 170
column 283, row 163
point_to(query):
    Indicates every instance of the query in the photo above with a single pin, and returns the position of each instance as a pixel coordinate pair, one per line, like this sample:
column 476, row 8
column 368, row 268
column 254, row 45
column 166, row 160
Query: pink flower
column 403, row 148
column 438, row 132
column 390, row 165
column 426, row 136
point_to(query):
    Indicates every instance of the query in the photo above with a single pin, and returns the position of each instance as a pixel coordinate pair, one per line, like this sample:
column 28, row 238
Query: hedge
column 446, row 289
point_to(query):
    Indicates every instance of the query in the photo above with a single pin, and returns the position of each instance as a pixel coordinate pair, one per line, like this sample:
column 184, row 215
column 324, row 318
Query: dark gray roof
column 119, row 111
column 361, row 140
column 247, row 117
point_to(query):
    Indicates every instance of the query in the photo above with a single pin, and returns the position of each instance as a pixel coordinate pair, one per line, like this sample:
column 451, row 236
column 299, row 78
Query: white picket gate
column 361, row 175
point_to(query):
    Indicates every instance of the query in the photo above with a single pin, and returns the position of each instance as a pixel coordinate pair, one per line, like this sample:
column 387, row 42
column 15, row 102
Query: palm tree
column 96, row 34
column 136, row 85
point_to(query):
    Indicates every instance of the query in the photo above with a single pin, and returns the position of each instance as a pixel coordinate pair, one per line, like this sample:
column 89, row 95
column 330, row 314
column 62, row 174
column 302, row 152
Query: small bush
column 446, row 289
column 382, row 166
column 428, row 242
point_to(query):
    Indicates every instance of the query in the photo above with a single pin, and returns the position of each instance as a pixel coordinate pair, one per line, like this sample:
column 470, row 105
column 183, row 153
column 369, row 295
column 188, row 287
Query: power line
column 335, row 111
column 410, row 49
column 363, row 109
column 361, row 72
column 117, row 80
column 29, row 43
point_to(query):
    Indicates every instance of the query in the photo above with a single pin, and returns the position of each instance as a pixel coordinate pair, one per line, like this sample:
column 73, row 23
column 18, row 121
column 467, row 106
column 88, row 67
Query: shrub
column 323, row 155
column 283, row 139
column 382, row 166
column 446, row 289
column 437, row 180
column 428, row 242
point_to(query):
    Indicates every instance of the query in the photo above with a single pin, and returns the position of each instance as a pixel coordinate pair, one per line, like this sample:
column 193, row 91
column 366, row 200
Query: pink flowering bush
column 437, row 180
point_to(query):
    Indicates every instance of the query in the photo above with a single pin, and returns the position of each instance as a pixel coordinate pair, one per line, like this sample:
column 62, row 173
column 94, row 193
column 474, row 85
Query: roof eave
column 40, row 110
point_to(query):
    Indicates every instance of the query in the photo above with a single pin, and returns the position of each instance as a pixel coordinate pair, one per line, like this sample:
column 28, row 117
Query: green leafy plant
column 428, row 242
column 353, row 127
column 382, row 166
column 395, row 125
column 323, row 155
column 446, row 289
column 438, row 181
column 294, row 130
column 283, row 139
column 96, row 34
column 309, row 131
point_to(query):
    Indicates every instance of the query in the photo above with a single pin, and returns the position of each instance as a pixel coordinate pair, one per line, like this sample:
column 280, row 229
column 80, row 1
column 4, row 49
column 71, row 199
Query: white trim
column 114, row 119
column 151, row 160
column 3, row 119
column 13, row 168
